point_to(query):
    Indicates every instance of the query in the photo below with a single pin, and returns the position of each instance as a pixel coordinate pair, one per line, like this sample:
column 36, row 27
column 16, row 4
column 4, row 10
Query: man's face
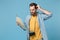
column 32, row 10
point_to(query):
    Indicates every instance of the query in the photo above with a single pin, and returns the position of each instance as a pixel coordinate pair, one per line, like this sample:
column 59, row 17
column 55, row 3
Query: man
column 34, row 23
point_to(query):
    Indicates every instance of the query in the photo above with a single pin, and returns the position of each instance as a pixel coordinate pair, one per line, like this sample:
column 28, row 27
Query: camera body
column 31, row 33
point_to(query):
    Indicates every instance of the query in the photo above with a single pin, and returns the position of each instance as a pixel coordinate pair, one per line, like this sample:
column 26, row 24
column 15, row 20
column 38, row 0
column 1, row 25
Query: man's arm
column 45, row 14
column 20, row 23
column 43, row 10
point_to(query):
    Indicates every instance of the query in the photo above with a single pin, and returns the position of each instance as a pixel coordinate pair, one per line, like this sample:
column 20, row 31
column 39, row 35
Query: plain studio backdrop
column 9, row 9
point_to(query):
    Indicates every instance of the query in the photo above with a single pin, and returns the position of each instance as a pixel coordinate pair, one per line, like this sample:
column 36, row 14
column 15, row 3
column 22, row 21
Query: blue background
column 9, row 9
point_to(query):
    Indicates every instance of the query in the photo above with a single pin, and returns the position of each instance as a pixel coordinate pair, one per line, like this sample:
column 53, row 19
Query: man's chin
column 32, row 14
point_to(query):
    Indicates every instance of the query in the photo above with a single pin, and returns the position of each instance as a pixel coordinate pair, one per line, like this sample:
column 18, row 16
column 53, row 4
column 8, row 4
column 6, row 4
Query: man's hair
column 33, row 4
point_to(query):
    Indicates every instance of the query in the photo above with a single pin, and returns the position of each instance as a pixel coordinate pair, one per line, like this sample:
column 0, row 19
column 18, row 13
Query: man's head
column 33, row 8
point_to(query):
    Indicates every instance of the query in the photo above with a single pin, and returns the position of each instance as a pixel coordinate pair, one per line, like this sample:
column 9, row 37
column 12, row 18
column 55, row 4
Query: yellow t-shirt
column 34, row 27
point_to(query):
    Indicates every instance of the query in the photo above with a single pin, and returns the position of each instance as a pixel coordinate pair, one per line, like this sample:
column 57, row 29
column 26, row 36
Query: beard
column 33, row 13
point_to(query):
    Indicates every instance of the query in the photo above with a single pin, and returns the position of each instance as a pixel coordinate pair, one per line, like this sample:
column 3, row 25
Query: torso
column 34, row 27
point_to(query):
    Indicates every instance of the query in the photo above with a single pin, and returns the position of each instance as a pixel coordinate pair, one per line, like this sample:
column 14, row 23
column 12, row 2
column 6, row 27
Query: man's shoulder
column 28, row 16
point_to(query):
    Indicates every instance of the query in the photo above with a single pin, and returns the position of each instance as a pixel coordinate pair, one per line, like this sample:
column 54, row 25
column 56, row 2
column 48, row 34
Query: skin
column 33, row 13
column 33, row 10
